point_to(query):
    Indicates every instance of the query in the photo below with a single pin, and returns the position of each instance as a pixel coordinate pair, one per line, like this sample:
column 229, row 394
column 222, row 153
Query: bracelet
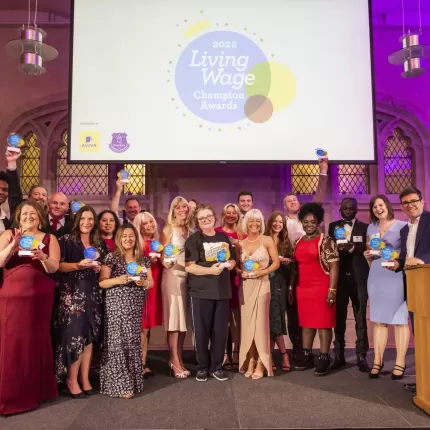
column 290, row 288
column 332, row 290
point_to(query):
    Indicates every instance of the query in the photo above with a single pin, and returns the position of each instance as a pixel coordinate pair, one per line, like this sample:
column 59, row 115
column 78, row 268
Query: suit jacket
column 15, row 192
column 353, row 262
column 422, row 242
column 65, row 229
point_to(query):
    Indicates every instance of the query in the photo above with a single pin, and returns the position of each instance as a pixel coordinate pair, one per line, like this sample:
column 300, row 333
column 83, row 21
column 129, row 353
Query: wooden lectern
column 418, row 285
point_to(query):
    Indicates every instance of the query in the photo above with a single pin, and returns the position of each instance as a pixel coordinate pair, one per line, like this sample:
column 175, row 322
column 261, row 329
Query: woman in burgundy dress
column 152, row 312
column 230, row 226
column 108, row 225
column 317, row 266
column 26, row 299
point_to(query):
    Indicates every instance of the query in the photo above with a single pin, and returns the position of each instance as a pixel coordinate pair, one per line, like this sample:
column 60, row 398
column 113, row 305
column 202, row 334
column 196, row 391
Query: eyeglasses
column 205, row 218
column 406, row 203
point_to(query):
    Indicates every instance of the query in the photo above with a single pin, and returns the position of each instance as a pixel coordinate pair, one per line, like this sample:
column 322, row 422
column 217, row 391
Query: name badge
column 357, row 239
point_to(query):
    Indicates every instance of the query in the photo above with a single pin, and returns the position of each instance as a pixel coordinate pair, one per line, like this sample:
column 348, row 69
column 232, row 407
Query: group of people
column 84, row 289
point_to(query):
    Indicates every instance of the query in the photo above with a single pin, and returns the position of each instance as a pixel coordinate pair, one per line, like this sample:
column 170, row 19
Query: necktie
column 54, row 224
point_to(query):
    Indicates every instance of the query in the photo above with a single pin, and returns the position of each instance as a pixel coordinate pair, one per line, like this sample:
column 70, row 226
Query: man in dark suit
column 414, row 238
column 353, row 273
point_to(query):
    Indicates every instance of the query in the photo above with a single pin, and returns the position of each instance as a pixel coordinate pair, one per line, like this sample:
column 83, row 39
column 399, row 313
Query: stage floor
column 343, row 399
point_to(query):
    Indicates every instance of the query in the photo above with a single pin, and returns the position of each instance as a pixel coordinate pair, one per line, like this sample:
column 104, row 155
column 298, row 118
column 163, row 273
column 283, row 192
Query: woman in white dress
column 174, row 284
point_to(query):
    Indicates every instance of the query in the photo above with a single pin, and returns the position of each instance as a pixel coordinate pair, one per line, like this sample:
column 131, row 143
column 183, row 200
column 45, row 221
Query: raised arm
column 114, row 204
column 322, row 182
column 15, row 192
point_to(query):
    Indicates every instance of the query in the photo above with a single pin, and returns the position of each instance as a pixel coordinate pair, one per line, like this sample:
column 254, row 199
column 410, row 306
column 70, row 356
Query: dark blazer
column 66, row 229
column 353, row 262
column 422, row 242
column 15, row 192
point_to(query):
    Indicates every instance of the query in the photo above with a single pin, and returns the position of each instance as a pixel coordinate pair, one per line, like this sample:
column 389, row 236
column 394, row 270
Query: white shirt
column 348, row 228
column 2, row 217
column 412, row 236
column 295, row 228
column 60, row 224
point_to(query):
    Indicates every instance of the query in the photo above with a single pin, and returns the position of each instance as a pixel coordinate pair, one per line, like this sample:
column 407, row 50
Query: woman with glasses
column 386, row 289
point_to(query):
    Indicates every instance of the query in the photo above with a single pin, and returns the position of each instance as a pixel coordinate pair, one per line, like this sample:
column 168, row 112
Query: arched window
column 353, row 178
column 304, row 178
column 137, row 184
column 398, row 168
column 80, row 179
column 29, row 171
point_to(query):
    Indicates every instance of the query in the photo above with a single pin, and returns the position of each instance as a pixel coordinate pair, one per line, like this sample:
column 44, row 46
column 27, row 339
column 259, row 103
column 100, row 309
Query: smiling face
column 254, row 226
column 245, row 204
column 147, row 227
column 181, row 212
column 231, row 216
column 4, row 191
column 86, row 223
column 292, row 205
column 348, row 209
column 29, row 219
column 128, row 239
column 107, row 223
column 310, row 224
column 278, row 224
column 380, row 209
column 132, row 208
column 58, row 205
column 412, row 206
column 39, row 195
column 206, row 219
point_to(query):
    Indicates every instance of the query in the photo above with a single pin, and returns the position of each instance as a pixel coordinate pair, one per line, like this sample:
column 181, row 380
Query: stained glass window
column 81, row 179
column 353, row 179
column 398, row 167
column 305, row 178
column 137, row 184
column 30, row 163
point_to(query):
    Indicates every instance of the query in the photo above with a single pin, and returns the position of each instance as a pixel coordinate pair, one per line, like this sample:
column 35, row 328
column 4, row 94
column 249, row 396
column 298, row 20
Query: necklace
column 251, row 241
column 311, row 236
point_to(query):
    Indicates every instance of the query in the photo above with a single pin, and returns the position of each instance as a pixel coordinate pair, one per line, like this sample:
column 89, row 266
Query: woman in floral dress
column 121, row 372
column 78, row 308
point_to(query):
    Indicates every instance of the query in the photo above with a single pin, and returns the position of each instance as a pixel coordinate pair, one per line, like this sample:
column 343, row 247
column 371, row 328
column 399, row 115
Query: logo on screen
column 89, row 141
column 119, row 142
column 224, row 76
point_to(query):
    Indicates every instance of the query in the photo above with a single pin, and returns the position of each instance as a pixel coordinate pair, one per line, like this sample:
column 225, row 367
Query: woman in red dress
column 317, row 265
column 230, row 226
column 152, row 312
column 26, row 300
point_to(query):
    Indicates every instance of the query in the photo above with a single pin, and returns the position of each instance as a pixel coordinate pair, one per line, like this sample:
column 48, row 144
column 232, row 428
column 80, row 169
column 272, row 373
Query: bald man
column 58, row 224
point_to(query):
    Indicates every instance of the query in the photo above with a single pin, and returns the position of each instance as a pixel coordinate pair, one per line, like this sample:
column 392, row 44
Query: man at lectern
column 414, row 237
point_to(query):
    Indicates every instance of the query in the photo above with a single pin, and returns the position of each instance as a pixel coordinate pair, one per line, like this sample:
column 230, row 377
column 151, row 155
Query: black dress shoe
column 362, row 364
column 305, row 362
column 338, row 362
column 411, row 387
column 89, row 392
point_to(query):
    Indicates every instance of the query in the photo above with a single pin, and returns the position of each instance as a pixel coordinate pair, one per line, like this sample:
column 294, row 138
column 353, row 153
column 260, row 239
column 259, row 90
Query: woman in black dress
column 279, row 293
column 121, row 370
column 78, row 308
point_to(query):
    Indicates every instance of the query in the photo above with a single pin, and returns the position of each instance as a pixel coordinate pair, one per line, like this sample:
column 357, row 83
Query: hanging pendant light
column 413, row 53
column 30, row 48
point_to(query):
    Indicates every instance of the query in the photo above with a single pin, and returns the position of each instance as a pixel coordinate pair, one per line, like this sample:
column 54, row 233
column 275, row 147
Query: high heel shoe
column 259, row 375
column 177, row 373
column 398, row 368
column 377, row 367
column 250, row 371
column 80, row 395
column 283, row 367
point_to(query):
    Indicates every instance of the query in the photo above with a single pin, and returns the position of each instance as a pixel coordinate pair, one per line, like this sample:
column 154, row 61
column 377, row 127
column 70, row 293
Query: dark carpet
column 343, row 399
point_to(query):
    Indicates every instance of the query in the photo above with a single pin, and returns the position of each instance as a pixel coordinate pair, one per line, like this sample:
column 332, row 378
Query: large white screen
column 225, row 80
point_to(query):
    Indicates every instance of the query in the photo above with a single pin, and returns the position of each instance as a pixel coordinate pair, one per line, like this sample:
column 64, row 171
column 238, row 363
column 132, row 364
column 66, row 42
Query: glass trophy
column 341, row 235
column 322, row 154
column 91, row 253
column 124, row 176
column 169, row 253
column 26, row 243
column 156, row 247
column 135, row 271
column 222, row 257
column 375, row 246
column 250, row 266
column 75, row 206
column 388, row 254
column 15, row 141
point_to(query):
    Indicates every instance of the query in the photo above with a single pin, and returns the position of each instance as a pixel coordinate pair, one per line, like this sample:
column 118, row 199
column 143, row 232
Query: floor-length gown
column 278, row 300
column 121, row 369
column 174, row 289
column 152, row 313
column 26, row 360
column 254, row 311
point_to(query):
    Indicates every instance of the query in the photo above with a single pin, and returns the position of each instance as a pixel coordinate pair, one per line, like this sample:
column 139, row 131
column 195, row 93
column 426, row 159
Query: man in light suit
column 414, row 237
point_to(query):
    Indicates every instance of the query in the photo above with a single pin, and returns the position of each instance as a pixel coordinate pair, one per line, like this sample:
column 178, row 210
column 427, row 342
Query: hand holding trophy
column 376, row 245
column 222, row 257
column 388, row 254
column 250, row 267
column 341, row 234
column 156, row 247
column 123, row 176
column 135, row 271
column 92, row 254
column 170, row 251
column 15, row 142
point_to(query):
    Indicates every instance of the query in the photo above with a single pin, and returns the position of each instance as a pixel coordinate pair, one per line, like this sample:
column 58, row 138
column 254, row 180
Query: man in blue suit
column 414, row 237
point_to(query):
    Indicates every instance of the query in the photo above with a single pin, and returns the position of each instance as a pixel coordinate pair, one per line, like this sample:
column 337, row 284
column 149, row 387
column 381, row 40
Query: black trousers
column 210, row 323
column 293, row 326
column 349, row 289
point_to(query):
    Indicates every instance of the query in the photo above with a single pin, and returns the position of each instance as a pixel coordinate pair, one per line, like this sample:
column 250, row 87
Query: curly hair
column 312, row 208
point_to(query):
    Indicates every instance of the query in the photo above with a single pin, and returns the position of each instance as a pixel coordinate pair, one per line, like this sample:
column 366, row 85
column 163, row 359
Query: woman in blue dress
column 386, row 288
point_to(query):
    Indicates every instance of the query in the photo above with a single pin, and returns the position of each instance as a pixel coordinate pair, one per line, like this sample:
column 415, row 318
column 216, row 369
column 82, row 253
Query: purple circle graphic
column 212, row 73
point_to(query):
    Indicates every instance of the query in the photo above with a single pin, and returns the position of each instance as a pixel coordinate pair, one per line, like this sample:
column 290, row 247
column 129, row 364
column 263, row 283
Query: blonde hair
column 253, row 214
column 171, row 219
column 139, row 220
column 238, row 223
